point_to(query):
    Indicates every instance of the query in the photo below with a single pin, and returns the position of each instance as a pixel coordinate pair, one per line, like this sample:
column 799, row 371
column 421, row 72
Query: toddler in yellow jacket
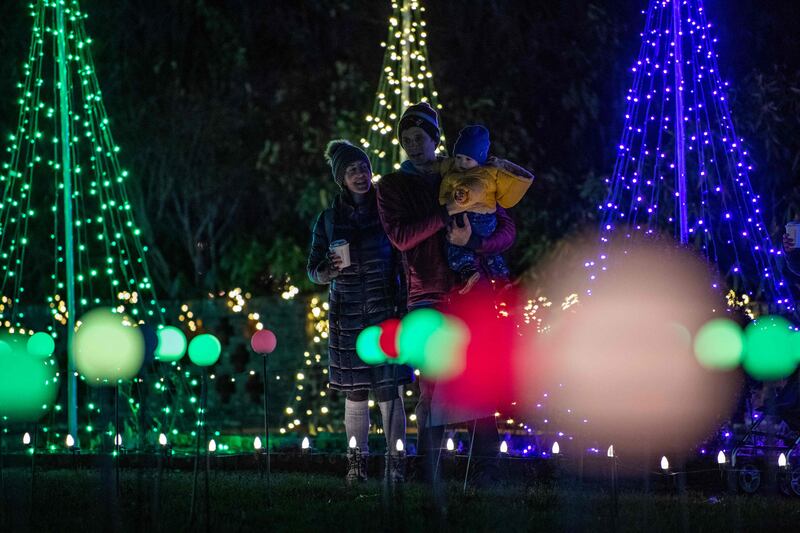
column 479, row 185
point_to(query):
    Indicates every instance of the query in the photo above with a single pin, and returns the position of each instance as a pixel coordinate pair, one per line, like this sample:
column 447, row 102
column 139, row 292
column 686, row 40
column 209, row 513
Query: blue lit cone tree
column 680, row 164
column 68, row 238
column 406, row 78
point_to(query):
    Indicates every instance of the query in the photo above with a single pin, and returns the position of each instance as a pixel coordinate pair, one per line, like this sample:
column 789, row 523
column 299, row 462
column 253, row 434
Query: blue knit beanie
column 339, row 154
column 473, row 141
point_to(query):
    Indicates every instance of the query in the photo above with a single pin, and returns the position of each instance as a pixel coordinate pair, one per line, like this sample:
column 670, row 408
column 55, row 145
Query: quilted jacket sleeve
column 318, row 267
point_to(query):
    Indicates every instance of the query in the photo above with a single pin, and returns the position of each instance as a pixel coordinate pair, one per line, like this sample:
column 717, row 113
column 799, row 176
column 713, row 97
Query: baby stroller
column 764, row 437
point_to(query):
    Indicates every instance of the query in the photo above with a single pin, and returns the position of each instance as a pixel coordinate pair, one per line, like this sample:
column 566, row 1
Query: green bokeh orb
column 368, row 346
column 106, row 349
column 769, row 349
column 28, row 385
column 444, row 353
column 204, row 350
column 719, row 344
column 796, row 345
column 41, row 345
column 171, row 344
column 415, row 330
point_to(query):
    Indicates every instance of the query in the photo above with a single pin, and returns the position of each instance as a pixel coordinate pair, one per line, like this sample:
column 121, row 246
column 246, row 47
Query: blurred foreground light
column 28, row 384
column 415, row 329
column 769, row 349
column 107, row 348
column 719, row 344
column 368, row 346
column 388, row 337
column 171, row 344
column 632, row 337
column 433, row 342
column 471, row 355
column 444, row 352
column 264, row 342
column 204, row 350
column 41, row 345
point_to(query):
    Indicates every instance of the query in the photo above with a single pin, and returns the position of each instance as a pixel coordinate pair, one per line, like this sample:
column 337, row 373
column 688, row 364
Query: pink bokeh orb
column 263, row 341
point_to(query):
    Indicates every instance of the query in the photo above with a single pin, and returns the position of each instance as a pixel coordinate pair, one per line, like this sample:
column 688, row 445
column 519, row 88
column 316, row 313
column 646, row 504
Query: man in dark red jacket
column 408, row 206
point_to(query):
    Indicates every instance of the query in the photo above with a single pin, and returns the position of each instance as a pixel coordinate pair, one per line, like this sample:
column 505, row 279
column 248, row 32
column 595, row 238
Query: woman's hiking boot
column 356, row 467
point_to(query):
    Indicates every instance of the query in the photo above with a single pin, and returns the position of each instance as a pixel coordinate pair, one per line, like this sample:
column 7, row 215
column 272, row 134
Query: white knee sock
column 356, row 423
column 394, row 423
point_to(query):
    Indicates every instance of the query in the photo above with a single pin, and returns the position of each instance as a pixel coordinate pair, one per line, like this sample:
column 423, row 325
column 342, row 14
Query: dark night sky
column 751, row 32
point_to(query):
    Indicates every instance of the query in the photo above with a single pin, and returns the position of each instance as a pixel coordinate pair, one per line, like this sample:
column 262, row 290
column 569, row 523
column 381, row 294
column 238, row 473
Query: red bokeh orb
column 487, row 382
column 388, row 337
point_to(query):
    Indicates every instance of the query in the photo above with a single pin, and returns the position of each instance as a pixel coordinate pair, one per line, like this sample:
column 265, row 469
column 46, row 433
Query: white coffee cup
column 342, row 248
column 793, row 230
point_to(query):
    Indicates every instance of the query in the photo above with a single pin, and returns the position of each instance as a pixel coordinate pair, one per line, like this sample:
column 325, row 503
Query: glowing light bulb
column 610, row 452
column 306, row 444
column 664, row 463
column 450, row 445
column 399, row 446
column 70, row 441
column 162, row 440
column 721, row 460
column 352, row 443
column 257, row 443
column 26, row 439
column 782, row 460
column 212, row 446
column 118, row 440
column 504, row 447
column 556, row 448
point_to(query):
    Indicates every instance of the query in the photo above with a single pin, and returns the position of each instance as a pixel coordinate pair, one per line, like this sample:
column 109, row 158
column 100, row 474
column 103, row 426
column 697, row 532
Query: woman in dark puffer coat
column 363, row 294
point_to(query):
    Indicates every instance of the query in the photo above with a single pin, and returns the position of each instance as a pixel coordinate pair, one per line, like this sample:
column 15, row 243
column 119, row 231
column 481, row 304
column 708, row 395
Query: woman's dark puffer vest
column 366, row 293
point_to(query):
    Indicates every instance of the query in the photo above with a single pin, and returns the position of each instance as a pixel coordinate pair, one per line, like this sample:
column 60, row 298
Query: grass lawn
column 66, row 500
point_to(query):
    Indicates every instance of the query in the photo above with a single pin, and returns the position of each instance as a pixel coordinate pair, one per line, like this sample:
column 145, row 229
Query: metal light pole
column 66, row 167
column 680, row 141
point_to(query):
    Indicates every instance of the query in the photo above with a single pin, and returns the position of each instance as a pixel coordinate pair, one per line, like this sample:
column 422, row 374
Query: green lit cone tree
column 68, row 237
